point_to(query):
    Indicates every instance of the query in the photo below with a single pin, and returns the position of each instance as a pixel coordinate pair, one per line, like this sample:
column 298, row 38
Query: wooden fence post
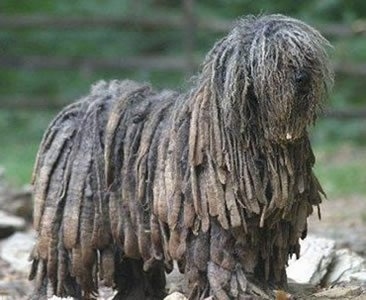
column 189, row 35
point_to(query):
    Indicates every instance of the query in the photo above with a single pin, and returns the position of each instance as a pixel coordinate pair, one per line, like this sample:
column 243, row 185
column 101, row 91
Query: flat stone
column 315, row 257
column 359, row 276
column 19, row 203
column 346, row 266
column 175, row 281
column 10, row 224
column 15, row 250
column 340, row 292
column 14, row 289
column 176, row 296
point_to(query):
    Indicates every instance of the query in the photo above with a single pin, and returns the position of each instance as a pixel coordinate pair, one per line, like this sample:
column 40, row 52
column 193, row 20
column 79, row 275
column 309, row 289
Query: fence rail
column 97, row 63
column 188, row 23
column 153, row 23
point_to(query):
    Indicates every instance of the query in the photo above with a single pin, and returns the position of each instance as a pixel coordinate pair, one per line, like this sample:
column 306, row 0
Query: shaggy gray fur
column 220, row 178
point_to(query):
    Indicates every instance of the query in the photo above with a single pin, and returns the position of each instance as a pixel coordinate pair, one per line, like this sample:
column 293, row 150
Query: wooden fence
column 187, row 23
column 154, row 23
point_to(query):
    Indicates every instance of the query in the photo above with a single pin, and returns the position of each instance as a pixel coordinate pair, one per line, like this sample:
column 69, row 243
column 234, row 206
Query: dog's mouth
column 286, row 138
column 289, row 138
column 289, row 133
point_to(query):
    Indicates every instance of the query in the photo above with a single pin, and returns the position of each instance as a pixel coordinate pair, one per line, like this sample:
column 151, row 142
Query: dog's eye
column 302, row 81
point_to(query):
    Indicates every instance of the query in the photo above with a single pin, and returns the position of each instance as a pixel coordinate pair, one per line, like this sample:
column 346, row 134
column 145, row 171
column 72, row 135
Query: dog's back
column 80, row 213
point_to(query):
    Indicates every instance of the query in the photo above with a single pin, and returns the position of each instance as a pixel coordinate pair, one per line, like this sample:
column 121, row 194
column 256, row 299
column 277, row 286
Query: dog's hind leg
column 133, row 283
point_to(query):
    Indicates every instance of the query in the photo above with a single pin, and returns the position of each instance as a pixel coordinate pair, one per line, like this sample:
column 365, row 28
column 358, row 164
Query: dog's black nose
column 302, row 81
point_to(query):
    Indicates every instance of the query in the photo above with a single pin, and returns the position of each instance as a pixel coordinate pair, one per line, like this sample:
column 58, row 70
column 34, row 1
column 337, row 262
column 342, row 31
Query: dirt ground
column 343, row 219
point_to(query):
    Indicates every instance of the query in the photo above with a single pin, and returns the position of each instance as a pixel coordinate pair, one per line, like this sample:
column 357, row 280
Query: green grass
column 341, row 168
column 18, row 162
column 20, row 132
column 342, row 180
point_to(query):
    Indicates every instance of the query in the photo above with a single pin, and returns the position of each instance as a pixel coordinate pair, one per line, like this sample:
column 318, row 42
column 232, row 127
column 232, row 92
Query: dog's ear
column 227, row 78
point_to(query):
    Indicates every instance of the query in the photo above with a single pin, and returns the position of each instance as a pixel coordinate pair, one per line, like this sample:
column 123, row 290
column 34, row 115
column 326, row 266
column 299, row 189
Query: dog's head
column 271, row 73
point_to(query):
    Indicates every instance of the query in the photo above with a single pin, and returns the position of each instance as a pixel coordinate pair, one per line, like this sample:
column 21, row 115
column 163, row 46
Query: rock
column 20, row 203
column 359, row 276
column 176, row 296
column 346, row 266
column 9, row 224
column 17, row 201
column 320, row 262
column 175, row 281
column 301, row 290
column 16, row 249
column 315, row 257
column 14, row 289
column 2, row 177
column 339, row 292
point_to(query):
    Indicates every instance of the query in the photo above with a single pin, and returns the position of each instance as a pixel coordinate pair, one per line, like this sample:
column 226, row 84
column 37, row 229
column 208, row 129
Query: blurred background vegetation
column 52, row 51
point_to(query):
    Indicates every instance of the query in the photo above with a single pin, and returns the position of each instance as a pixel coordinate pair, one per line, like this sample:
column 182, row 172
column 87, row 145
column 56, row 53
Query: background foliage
column 340, row 144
